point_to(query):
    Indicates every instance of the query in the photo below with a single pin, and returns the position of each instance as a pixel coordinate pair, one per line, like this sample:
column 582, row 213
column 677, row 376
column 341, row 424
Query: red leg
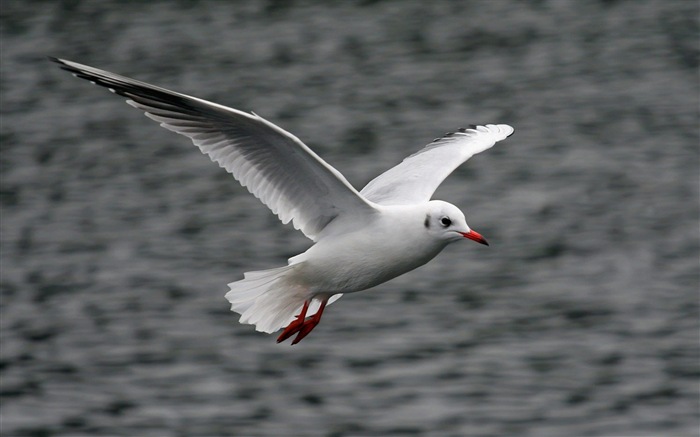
column 310, row 324
column 295, row 325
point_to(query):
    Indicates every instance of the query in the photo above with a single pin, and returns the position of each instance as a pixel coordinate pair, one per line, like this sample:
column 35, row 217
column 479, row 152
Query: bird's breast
column 361, row 260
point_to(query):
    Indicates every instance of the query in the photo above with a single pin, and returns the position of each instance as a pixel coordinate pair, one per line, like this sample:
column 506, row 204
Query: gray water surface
column 119, row 237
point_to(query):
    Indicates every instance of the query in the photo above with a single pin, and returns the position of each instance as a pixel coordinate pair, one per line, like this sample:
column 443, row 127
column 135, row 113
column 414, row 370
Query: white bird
column 362, row 239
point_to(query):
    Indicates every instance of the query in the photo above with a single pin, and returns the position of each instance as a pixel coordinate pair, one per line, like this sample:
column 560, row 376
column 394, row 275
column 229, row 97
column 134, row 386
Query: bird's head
column 446, row 222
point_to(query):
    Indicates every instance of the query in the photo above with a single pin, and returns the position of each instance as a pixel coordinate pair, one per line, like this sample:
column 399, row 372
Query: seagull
column 361, row 239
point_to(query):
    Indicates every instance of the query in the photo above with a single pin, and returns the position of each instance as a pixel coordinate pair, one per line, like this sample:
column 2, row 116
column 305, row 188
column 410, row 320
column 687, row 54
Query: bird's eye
column 445, row 221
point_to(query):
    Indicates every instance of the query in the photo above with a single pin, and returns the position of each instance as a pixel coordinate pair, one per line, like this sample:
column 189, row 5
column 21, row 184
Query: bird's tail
column 268, row 299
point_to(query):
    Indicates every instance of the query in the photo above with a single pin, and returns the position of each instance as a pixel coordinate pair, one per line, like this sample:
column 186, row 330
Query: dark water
column 118, row 237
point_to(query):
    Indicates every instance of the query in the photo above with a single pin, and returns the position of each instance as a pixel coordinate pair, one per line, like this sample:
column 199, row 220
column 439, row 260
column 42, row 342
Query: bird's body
column 362, row 239
column 393, row 243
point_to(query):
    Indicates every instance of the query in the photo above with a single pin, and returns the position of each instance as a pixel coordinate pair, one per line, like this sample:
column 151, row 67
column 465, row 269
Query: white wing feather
column 416, row 178
column 275, row 166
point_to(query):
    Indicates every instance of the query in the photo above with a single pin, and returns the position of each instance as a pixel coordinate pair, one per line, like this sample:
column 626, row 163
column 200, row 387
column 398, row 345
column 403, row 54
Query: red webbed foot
column 302, row 325
column 296, row 324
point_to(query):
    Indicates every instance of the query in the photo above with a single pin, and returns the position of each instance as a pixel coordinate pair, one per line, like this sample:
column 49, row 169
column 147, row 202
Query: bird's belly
column 345, row 265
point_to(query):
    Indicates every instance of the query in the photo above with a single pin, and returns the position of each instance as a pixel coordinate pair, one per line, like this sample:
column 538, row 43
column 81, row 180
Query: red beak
column 473, row 235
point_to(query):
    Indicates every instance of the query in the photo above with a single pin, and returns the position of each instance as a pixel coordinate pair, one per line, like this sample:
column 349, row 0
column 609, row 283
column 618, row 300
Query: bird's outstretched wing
column 416, row 178
column 275, row 166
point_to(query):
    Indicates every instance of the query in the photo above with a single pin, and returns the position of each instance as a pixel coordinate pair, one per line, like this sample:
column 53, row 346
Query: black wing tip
column 464, row 130
column 461, row 130
column 140, row 92
column 122, row 86
column 475, row 126
column 62, row 62
column 64, row 65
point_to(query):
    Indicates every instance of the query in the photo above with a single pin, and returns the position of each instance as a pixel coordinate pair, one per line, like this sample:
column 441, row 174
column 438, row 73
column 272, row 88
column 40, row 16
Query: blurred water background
column 118, row 237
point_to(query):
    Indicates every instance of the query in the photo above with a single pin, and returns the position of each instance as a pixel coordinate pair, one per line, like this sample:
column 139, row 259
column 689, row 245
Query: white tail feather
column 268, row 300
